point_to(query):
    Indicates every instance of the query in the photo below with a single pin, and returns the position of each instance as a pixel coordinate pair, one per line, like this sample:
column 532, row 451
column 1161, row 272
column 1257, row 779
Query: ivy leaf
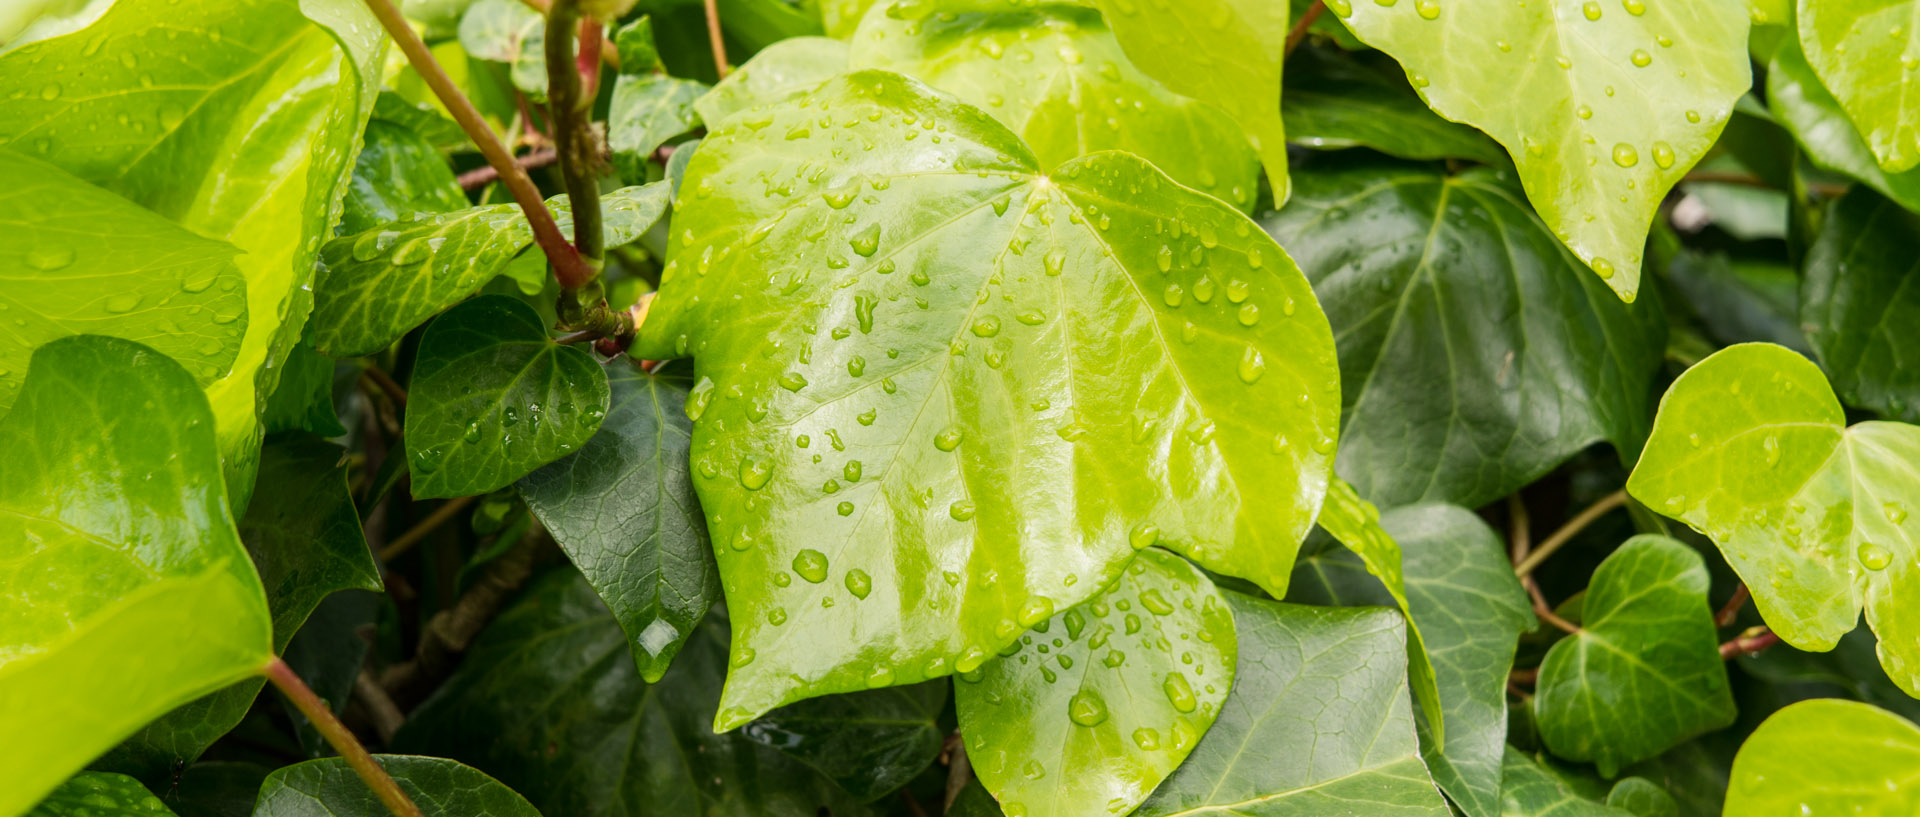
column 870, row 743
column 216, row 789
column 548, row 688
column 639, row 54
column 1847, row 45
column 1859, row 307
column 623, row 509
column 1524, row 360
column 779, row 71
column 440, row 787
column 421, row 120
column 398, row 176
column 1603, row 106
column 1640, row 797
column 974, row 801
column 1335, row 99
column 1226, row 53
column 379, row 284
column 100, row 794
column 1811, row 113
column 1751, row 448
column 1318, row 722
column 81, row 260
column 494, row 398
column 511, row 32
column 867, row 422
column 1644, row 673
column 239, row 122
column 304, row 399
column 1056, row 76
column 1356, row 523
column 1462, row 593
column 840, row 17
column 648, row 109
column 1094, row 724
column 1825, row 757
column 1527, row 790
column 149, row 569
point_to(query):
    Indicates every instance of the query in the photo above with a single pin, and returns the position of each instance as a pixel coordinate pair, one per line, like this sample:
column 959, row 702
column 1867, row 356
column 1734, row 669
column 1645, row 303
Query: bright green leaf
column 870, row 742
column 648, row 110
column 1847, row 44
column 441, row 788
column 381, row 283
column 1603, row 106
column 1476, row 357
column 1530, row 791
column 892, row 341
column 1808, row 110
column 624, row 510
column 1339, row 100
column 80, row 260
column 548, row 701
column 1226, row 53
column 639, row 54
column 100, row 794
column 840, row 17
column 494, row 398
column 1462, row 593
column 1056, row 76
column 1824, row 758
column 1751, row 448
column 1860, row 308
column 398, row 176
column 1318, row 723
column 1134, row 677
column 147, row 570
column 1644, row 672
column 781, row 70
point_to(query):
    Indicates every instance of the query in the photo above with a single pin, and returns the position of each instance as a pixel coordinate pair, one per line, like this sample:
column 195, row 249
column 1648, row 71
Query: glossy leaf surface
column 148, row 569
column 1337, row 100
column 1811, row 113
column 1860, row 305
column 1825, row 758
column 1531, row 791
column 382, row 282
column 304, row 399
column 1603, row 106
column 1355, row 522
column 1462, row 593
column 1226, row 53
column 494, row 398
column 1135, row 675
column 1475, row 356
column 870, row 743
column 956, row 407
column 547, row 690
column 1751, row 448
column 1644, row 672
column 398, row 176
column 648, row 110
column 624, row 509
column 441, row 788
column 779, row 71
column 1318, row 723
column 100, row 794
column 1055, row 75
column 1848, row 44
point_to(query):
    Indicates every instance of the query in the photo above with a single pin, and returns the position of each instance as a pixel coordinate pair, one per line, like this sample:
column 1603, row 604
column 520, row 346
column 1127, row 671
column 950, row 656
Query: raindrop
column 949, row 438
column 48, row 260
column 1179, row 692
column 1874, row 557
column 1143, row 536
column 1251, row 366
column 1663, row 155
column 961, row 510
column 1625, row 156
column 858, row 582
column 1147, row 738
column 1087, row 709
column 754, row 473
column 811, row 565
column 1591, row 9
column 867, row 241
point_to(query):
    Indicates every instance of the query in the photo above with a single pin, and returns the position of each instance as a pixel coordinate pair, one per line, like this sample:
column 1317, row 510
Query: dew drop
column 1087, row 709
column 949, row 438
column 858, row 582
column 1874, row 557
column 1179, row 692
column 48, row 260
column 1147, row 738
column 1143, row 536
column 1252, row 366
column 961, row 510
column 811, row 565
column 754, row 473
column 1625, row 156
column 1663, row 155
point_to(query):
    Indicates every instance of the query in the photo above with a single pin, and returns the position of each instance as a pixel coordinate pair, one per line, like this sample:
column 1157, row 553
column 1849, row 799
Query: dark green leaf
column 1318, row 723
column 648, row 110
column 494, row 398
column 1740, row 301
column 1850, row 670
column 1093, row 724
column 548, row 700
column 974, row 801
column 1530, row 791
column 225, row 789
column 1339, row 100
column 1474, row 356
column 304, row 399
column 398, row 176
column 1808, row 110
column 638, row 54
column 1641, row 798
column 869, row 742
column 328, row 653
column 441, row 788
column 624, row 510
column 422, row 121
column 889, row 389
column 100, row 794
column 1860, row 304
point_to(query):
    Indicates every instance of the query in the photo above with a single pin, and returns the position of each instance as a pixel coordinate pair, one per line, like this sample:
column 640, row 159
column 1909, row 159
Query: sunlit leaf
column 1847, row 43
column 1828, row 757
column 1810, row 112
column 781, row 70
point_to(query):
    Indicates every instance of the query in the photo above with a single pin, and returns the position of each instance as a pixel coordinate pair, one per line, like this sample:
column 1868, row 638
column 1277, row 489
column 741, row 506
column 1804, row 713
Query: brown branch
column 340, row 738
column 959, row 771
column 451, row 631
column 482, row 176
column 714, row 39
column 1753, row 640
column 1824, row 189
column 405, row 542
column 567, row 264
column 1731, row 609
column 1300, row 27
column 1545, row 612
column 1524, row 676
column 386, row 715
column 1569, row 530
column 387, row 384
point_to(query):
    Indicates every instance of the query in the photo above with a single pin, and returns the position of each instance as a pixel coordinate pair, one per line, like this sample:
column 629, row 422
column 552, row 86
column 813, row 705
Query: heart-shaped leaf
column 1055, row 75
column 1847, row 43
column 1318, row 723
column 1809, row 111
column 1603, row 106
column 623, row 509
column 381, row 283
column 1476, row 356
column 494, row 398
column 440, row 787
column 1859, row 306
column 648, row 109
column 101, row 794
column 1644, row 672
column 1751, row 448
column 899, row 319
column 1100, row 703
column 148, row 570
column 1827, row 757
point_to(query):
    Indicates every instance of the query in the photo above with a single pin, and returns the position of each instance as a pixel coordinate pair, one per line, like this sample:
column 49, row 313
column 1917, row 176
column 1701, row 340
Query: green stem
column 573, row 132
column 341, row 739
column 1567, row 531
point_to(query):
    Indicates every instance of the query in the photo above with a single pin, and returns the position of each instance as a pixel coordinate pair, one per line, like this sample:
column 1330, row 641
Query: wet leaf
column 1859, row 306
column 441, row 788
column 648, row 110
column 779, row 71
column 1336, row 100
column 1811, row 113
column 100, row 794
column 1828, row 757
column 1847, row 44
column 398, row 176
column 869, row 742
column 304, row 399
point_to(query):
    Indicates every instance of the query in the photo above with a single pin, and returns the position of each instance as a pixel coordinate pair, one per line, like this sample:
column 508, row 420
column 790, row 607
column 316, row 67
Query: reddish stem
column 482, row 176
column 1732, row 608
column 340, row 738
column 715, row 41
column 1751, row 641
column 588, row 61
column 1300, row 27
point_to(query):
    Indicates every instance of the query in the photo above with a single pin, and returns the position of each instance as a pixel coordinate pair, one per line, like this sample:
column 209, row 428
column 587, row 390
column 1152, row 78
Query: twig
column 1524, row 676
column 1300, row 27
column 568, row 267
column 1731, row 609
column 1569, row 530
column 386, row 715
column 1520, row 535
column 387, row 384
column 959, row 771
column 450, row 631
column 482, row 176
column 406, row 541
column 341, row 739
column 1824, row 189
column 1753, row 640
column 714, row 39
column 1545, row 612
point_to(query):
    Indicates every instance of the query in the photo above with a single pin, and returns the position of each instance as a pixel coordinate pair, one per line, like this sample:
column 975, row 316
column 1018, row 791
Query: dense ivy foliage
column 988, row 408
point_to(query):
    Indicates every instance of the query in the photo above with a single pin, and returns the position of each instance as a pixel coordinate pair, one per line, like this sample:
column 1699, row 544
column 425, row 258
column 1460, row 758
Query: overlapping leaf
column 1338, row 100
column 398, row 176
column 1530, row 791
column 936, row 367
column 779, row 71
column 1751, row 448
column 648, row 110
column 1828, row 757
column 1603, row 106
column 1810, row 112
column 100, row 794
column 441, row 788
column 1863, row 52
column 870, row 743
column 1860, row 304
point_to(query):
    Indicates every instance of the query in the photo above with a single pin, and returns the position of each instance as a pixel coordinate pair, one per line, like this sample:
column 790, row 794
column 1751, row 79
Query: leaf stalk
column 341, row 738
